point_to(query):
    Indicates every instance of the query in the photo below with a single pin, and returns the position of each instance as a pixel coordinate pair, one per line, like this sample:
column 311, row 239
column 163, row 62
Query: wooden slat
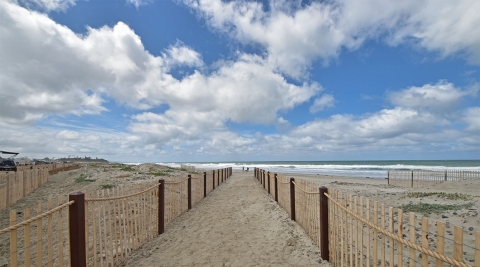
column 342, row 234
column 109, row 239
column 50, row 233
column 411, row 232
column 458, row 246
column 424, row 241
column 60, row 233
column 351, row 230
column 116, row 227
column 94, row 232
column 27, row 238
column 440, row 242
column 39, row 237
column 355, row 201
column 129, row 219
column 101, row 248
column 13, row 239
column 361, row 231
column 392, row 242
column 400, row 235
column 384, row 239
column 367, row 228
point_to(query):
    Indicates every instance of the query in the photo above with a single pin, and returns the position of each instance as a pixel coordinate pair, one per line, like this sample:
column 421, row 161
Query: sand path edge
column 238, row 224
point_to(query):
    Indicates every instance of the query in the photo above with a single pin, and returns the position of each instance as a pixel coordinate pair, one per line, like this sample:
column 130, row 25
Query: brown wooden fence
column 361, row 232
column 16, row 185
column 37, row 236
column 104, row 227
column 421, row 178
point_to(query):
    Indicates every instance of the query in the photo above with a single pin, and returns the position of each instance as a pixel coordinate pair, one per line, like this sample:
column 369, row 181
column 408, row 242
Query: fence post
column 388, row 177
column 218, row 177
column 213, row 179
column 223, row 176
column 445, row 175
column 324, row 250
column 204, row 184
column 292, row 198
column 276, row 187
column 412, row 179
column 189, row 186
column 76, row 218
column 161, row 206
column 263, row 179
column 268, row 182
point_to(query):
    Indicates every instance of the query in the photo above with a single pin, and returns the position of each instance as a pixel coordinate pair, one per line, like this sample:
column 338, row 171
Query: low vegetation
column 426, row 208
column 107, row 186
column 83, row 178
column 161, row 173
column 122, row 176
column 450, row 196
column 127, row 168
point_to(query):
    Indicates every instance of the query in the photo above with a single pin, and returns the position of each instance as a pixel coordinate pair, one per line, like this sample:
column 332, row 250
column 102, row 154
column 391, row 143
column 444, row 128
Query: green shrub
column 451, row 196
column 82, row 179
column 426, row 208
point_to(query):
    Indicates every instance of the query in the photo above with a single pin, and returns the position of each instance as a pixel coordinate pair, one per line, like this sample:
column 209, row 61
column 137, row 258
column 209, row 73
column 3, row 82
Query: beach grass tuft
column 83, row 178
column 450, row 196
column 427, row 208
column 161, row 173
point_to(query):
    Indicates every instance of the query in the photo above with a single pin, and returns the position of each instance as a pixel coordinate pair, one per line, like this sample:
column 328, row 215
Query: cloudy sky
column 211, row 80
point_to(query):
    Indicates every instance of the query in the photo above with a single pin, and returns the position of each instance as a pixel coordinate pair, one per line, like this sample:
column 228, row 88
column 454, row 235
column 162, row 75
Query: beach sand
column 396, row 196
column 239, row 224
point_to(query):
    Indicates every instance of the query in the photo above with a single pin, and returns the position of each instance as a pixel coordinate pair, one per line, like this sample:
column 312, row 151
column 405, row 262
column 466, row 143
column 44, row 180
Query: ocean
column 370, row 169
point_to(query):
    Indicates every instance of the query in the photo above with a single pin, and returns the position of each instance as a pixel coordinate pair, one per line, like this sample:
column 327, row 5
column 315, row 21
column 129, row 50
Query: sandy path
column 238, row 224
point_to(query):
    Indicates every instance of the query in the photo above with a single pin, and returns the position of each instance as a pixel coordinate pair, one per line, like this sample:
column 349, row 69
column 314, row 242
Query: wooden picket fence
column 354, row 231
column 104, row 227
column 16, row 185
column 422, row 178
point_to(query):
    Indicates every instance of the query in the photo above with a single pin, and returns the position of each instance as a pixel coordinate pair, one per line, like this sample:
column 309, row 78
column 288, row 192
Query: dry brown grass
column 122, row 176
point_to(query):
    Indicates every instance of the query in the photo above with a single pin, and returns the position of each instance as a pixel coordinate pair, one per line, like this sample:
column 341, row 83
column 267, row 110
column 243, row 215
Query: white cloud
column 443, row 26
column 113, row 62
column 182, row 55
column 296, row 35
column 241, row 91
column 50, row 70
column 68, row 135
column 472, row 119
column 439, row 98
column 385, row 126
column 138, row 3
column 325, row 101
column 98, row 142
column 49, row 5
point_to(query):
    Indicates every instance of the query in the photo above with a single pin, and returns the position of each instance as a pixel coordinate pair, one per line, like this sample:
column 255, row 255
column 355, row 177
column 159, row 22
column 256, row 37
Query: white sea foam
column 351, row 170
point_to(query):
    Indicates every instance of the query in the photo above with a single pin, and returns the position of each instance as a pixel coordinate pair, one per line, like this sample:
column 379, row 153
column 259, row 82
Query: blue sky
column 211, row 80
